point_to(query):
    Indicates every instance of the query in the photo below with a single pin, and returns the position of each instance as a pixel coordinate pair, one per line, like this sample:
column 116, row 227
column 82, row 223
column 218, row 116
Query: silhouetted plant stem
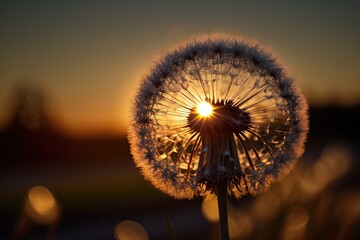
column 170, row 229
column 222, row 204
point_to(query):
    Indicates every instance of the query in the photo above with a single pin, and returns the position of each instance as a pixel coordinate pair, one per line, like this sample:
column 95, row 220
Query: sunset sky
column 88, row 56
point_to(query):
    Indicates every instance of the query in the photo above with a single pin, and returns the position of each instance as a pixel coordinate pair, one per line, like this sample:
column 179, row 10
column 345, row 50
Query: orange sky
column 87, row 57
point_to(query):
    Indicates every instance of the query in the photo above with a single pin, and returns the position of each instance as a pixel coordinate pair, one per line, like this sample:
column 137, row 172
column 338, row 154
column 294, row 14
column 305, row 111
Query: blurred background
column 68, row 72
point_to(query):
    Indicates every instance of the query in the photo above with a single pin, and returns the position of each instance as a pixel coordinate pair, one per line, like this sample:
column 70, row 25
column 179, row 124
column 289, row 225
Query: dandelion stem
column 222, row 204
column 170, row 229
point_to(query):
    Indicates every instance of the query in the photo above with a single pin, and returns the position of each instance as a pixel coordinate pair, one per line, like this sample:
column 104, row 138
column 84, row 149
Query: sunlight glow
column 205, row 109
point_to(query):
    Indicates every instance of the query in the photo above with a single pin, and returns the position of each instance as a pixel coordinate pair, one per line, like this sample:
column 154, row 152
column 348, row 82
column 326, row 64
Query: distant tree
column 29, row 110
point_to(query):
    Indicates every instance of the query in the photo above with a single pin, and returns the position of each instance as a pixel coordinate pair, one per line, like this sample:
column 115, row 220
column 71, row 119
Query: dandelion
column 217, row 114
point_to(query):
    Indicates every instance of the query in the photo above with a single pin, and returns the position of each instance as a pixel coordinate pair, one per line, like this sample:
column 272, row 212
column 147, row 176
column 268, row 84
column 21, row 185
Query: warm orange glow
column 130, row 230
column 205, row 109
column 240, row 225
column 296, row 222
column 261, row 209
column 41, row 205
column 334, row 163
column 209, row 209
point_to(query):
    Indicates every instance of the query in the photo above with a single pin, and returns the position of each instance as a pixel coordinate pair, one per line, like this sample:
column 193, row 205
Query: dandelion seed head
column 217, row 108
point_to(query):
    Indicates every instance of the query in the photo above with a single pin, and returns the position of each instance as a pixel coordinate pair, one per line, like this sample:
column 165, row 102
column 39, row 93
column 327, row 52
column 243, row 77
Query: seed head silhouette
column 216, row 109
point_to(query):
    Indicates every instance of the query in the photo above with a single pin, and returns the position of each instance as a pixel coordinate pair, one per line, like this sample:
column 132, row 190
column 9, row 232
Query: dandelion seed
column 217, row 109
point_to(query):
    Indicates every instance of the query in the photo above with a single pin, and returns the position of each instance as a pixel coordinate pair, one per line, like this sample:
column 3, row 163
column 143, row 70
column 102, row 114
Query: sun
column 204, row 109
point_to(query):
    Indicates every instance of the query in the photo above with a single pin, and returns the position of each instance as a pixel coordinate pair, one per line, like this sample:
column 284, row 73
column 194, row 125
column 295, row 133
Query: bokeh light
column 241, row 224
column 296, row 221
column 334, row 163
column 41, row 206
column 262, row 211
column 209, row 209
column 130, row 230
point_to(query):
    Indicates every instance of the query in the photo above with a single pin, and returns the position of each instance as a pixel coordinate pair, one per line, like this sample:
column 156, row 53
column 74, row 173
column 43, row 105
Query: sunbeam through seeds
column 217, row 109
